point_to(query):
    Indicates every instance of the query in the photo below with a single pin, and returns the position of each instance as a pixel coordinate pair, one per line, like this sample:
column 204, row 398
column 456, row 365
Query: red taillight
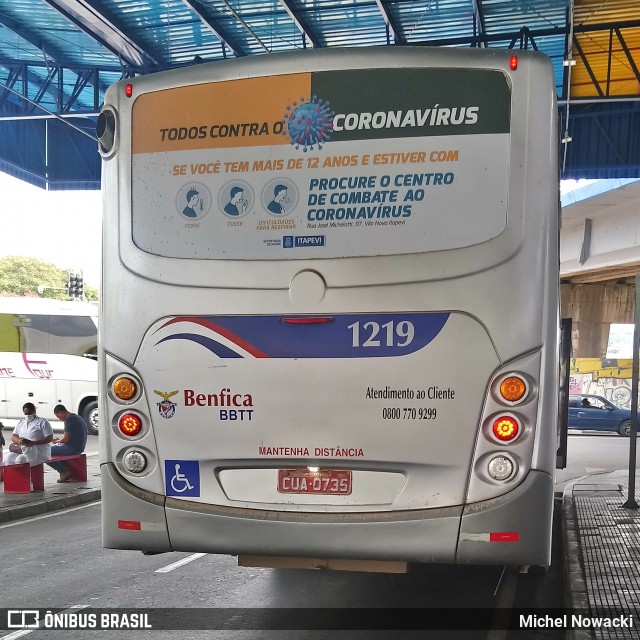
column 505, row 428
column 504, row 536
column 316, row 320
column 131, row 525
column 128, row 90
column 513, row 63
column 130, row 424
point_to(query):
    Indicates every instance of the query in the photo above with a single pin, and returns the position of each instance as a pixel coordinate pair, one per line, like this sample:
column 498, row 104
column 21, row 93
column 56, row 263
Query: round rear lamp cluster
column 501, row 467
column 134, row 461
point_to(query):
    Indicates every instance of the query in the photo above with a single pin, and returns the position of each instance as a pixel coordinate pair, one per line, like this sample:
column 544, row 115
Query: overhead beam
column 81, row 83
column 612, row 145
column 76, row 67
column 479, row 26
column 90, row 19
column 65, row 100
column 587, row 66
column 616, row 275
column 246, row 25
column 524, row 37
column 216, row 28
column 53, row 58
column 51, row 116
column 21, row 75
column 625, row 48
column 391, row 22
column 534, row 33
column 568, row 59
column 301, row 23
column 51, row 113
column 14, row 73
column 46, row 86
column 34, row 39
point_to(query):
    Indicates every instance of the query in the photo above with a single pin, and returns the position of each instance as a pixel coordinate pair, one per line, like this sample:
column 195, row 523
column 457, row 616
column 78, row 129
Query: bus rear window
column 323, row 165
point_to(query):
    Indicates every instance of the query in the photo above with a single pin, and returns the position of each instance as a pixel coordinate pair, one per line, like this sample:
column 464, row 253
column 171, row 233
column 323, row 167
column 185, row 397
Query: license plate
column 324, row 482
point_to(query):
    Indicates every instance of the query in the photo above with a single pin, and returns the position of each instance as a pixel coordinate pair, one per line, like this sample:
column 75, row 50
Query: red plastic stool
column 18, row 478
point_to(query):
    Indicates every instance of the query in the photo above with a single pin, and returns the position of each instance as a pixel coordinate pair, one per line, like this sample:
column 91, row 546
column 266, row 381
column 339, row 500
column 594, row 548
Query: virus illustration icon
column 308, row 123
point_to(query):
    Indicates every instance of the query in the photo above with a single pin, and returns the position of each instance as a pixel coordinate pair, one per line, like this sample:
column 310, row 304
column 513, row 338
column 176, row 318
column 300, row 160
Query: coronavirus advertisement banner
column 322, row 165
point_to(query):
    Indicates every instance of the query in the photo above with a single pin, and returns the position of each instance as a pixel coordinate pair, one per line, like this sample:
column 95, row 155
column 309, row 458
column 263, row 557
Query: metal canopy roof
column 57, row 57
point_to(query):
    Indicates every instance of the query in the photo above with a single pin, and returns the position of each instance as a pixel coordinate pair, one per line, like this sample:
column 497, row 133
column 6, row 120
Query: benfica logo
column 166, row 408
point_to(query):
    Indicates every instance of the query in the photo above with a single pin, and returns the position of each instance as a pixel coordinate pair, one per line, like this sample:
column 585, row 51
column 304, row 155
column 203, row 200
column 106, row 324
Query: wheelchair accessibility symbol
column 182, row 478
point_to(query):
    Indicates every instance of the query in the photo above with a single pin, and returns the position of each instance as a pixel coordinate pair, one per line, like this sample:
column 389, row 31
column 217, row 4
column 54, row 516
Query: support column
column 592, row 308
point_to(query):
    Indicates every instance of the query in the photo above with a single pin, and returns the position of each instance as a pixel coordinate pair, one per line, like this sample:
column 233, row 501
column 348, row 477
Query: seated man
column 72, row 442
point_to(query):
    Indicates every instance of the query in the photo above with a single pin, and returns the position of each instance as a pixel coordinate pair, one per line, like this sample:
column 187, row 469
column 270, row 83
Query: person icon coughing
column 237, row 205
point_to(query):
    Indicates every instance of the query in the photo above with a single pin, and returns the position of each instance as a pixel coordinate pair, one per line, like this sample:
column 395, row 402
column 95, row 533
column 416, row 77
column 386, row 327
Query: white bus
column 330, row 309
column 48, row 356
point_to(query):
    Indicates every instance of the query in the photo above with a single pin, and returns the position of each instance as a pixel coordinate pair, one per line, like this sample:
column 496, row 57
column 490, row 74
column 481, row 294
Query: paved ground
column 602, row 540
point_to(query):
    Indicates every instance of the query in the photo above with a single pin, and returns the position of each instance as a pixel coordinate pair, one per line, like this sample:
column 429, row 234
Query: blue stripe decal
column 375, row 335
column 215, row 347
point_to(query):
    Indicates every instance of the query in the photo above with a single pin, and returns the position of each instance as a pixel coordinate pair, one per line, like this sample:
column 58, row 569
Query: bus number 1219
column 390, row 334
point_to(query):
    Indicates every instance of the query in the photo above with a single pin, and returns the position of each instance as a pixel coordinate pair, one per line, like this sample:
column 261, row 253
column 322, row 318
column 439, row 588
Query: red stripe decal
column 237, row 340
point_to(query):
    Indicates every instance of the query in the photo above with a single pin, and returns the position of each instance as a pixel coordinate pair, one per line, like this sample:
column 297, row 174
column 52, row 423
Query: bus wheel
column 625, row 429
column 533, row 569
column 90, row 415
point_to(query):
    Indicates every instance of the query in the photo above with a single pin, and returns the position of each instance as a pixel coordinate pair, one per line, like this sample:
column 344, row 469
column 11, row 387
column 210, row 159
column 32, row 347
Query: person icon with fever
column 193, row 198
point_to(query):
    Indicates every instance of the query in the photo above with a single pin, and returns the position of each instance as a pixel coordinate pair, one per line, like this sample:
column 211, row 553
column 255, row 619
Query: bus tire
column 533, row 569
column 90, row 416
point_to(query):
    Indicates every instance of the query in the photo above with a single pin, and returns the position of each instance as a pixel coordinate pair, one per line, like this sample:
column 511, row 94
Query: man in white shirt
column 34, row 435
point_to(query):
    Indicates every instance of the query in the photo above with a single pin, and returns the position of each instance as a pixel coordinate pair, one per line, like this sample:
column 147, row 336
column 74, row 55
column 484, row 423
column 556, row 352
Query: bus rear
column 330, row 309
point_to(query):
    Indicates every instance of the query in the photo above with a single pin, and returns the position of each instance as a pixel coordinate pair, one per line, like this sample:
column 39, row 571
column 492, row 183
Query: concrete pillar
column 592, row 308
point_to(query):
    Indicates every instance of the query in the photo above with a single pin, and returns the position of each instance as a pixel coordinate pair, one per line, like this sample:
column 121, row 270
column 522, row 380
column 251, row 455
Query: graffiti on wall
column 602, row 377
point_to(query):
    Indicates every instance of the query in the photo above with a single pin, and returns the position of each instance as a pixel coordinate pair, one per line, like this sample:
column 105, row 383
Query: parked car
column 595, row 413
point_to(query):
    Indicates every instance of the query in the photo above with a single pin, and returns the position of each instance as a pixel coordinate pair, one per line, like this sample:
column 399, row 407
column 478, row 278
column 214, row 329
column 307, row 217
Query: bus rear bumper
column 512, row 529
column 408, row 536
column 131, row 518
column 447, row 535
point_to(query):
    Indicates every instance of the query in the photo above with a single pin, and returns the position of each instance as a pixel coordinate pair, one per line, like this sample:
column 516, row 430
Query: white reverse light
column 501, row 468
column 134, row 461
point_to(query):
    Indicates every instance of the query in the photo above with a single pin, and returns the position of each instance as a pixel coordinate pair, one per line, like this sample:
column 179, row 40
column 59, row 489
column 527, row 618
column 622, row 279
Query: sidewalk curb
column 576, row 594
column 47, row 505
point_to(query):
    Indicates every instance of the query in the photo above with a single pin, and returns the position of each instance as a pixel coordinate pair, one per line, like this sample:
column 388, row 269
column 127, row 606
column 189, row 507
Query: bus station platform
column 15, row 506
column 601, row 550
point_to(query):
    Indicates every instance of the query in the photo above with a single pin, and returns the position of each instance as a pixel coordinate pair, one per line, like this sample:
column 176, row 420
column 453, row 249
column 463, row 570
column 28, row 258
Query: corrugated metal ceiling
column 606, row 56
column 57, row 57
column 126, row 37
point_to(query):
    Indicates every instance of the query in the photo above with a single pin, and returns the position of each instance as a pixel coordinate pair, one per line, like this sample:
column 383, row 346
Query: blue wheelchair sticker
column 182, row 478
